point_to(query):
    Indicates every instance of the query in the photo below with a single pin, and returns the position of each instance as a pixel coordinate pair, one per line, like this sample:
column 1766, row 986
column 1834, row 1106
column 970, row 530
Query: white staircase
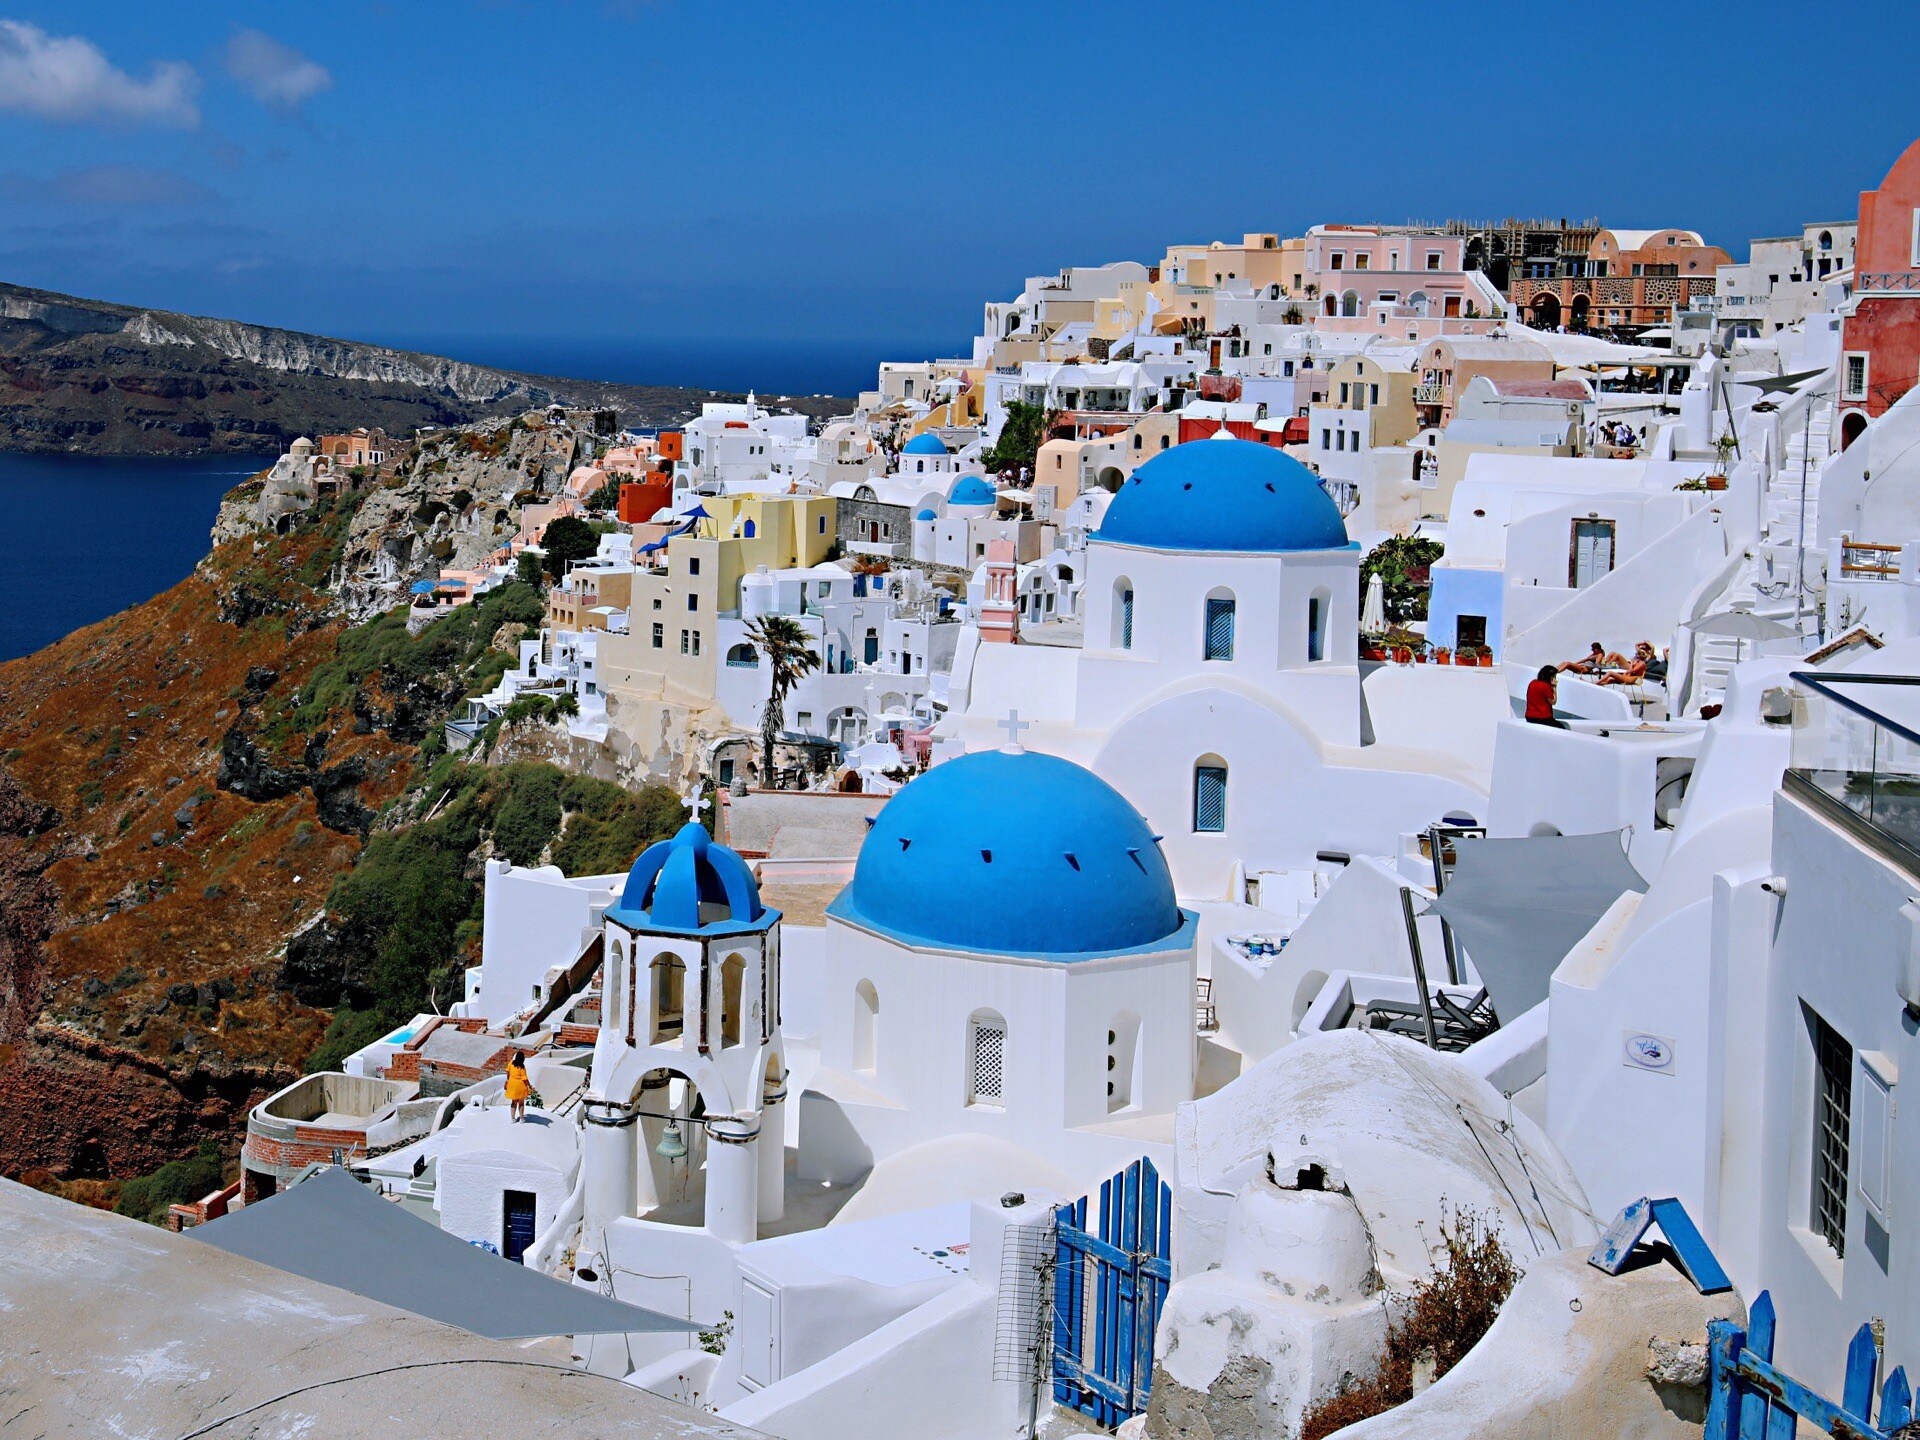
column 1806, row 445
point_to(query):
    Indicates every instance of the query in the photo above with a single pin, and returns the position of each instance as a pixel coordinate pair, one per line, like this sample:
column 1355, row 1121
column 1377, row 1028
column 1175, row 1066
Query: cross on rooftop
column 1013, row 725
column 694, row 803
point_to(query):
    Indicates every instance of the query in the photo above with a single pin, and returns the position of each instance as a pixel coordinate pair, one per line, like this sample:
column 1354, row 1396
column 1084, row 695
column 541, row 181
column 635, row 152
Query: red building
column 1880, row 359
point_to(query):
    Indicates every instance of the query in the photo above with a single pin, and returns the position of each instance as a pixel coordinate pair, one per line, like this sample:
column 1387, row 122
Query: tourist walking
column 519, row 1088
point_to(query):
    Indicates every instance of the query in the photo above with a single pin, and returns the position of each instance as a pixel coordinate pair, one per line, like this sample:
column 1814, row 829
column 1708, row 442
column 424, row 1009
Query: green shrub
column 146, row 1197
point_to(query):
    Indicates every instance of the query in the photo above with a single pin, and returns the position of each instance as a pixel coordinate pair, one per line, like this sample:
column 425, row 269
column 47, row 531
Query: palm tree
column 789, row 654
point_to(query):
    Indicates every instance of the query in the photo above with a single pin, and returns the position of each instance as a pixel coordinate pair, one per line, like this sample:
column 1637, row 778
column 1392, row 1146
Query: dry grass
column 1444, row 1315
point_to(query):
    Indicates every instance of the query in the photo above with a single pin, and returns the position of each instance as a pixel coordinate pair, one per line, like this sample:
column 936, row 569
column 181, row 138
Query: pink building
column 1881, row 335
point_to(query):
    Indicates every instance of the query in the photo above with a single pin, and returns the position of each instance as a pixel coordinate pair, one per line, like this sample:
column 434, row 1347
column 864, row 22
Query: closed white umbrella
column 1373, row 614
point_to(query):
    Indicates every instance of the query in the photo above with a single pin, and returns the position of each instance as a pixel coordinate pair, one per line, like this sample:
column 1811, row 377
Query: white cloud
column 274, row 74
column 67, row 78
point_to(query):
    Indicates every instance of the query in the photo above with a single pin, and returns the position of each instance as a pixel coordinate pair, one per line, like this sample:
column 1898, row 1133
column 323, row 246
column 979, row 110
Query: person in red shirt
column 1540, row 698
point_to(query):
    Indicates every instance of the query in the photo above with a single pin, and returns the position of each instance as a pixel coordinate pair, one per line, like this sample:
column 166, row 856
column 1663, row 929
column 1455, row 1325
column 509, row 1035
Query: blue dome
column 970, row 490
column 1228, row 495
column 925, row 443
column 1013, row 854
column 926, row 515
column 690, row 884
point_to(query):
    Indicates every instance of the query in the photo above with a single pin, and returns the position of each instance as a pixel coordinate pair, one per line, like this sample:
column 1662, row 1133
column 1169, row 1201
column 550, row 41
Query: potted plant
column 1405, row 645
column 1444, row 656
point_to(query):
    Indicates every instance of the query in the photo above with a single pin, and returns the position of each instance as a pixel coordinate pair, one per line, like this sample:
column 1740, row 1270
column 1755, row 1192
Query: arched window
column 1123, row 614
column 1317, row 606
column 1217, row 640
column 669, row 973
column 1209, row 795
column 747, row 530
column 1124, row 1039
column 618, row 985
column 733, row 975
column 1350, row 303
column 986, row 1058
column 866, row 1025
column 1826, row 239
column 744, row 655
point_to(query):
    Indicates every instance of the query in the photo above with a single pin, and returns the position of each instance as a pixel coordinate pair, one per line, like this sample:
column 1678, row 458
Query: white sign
column 1647, row 1052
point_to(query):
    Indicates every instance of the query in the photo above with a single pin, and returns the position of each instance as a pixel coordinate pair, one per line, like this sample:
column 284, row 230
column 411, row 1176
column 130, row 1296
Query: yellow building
column 1383, row 391
column 670, row 650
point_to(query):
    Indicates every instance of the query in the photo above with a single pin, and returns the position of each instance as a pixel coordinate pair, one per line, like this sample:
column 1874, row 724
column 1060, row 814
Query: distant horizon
column 866, row 173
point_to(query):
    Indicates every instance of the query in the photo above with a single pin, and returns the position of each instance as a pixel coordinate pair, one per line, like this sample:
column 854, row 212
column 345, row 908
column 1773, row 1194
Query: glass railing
column 1858, row 749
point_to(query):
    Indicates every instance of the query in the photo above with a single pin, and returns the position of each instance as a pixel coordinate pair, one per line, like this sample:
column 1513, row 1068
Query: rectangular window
column 1433, row 259
column 1832, row 1123
column 988, row 1062
column 693, row 602
column 806, row 721
column 696, row 642
column 1362, row 261
column 693, row 565
column 1286, row 368
column 823, row 524
column 1855, row 387
column 659, row 637
column 1219, row 644
column 1373, row 394
column 684, row 642
column 1209, row 799
column 1337, row 261
column 1126, row 619
column 1326, row 439
column 1343, row 392
column 1314, row 642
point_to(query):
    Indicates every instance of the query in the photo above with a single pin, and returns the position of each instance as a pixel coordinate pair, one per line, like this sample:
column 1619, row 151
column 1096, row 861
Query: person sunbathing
column 1593, row 662
column 1635, row 670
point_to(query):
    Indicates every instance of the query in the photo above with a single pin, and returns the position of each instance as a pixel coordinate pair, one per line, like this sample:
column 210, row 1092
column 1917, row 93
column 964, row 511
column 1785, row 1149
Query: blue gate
column 1748, row 1399
column 1110, row 1279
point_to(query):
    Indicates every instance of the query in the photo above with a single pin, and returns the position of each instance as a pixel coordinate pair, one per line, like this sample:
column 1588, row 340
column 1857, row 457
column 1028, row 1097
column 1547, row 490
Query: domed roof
column 925, row 443
column 690, row 884
column 970, row 490
column 1226, row 495
column 1013, row 853
column 926, row 515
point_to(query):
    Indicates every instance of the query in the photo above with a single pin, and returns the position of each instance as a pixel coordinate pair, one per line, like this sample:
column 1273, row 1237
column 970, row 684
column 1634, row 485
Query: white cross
column 1013, row 725
column 693, row 804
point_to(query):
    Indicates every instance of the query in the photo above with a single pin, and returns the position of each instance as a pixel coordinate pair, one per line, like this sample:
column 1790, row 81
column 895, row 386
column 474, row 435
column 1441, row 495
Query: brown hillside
column 144, row 906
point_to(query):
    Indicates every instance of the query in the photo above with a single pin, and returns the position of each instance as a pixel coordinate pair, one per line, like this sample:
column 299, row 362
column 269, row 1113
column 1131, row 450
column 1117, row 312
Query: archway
column 733, row 975
column 1852, row 426
column 1546, row 311
column 1110, row 479
column 669, row 986
column 1581, row 305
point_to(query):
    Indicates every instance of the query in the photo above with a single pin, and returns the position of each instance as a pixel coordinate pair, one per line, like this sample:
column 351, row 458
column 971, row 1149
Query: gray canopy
column 333, row 1229
column 1518, row 906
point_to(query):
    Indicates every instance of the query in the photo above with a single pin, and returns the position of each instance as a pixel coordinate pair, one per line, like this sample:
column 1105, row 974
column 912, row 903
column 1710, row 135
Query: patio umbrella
column 1741, row 625
column 1373, row 614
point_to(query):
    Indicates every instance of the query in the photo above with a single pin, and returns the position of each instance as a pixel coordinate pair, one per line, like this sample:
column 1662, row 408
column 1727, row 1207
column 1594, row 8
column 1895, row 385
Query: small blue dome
column 925, row 443
column 1013, row 853
column 1225, row 495
column 690, row 884
column 926, row 515
column 970, row 490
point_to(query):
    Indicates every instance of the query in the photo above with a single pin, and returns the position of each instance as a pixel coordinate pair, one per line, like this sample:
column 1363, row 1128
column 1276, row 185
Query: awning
column 334, row 1230
column 1518, row 906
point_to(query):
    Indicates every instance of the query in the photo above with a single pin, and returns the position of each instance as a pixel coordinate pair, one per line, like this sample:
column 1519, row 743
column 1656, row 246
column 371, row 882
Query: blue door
column 1110, row 1279
column 517, row 1227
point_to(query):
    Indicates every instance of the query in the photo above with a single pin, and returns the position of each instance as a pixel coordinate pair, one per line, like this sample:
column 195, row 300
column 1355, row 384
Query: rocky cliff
column 92, row 376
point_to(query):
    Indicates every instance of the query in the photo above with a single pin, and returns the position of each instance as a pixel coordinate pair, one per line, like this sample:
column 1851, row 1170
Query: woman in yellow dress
column 518, row 1086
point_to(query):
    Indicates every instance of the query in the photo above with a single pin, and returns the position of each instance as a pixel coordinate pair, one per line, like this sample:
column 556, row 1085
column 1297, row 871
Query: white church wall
column 1565, row 782
column 1285, row 802
column 471, row 1192
column 1453, row 709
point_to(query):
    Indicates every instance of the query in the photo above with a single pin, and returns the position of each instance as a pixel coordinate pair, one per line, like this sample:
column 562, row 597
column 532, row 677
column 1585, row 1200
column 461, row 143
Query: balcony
column 1857, row 758
column 1432, row 393
column 1883, row 282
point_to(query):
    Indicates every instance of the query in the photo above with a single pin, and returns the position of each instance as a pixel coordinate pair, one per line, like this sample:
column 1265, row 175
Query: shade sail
column 1740, row 625
column 1518, row 906
column 333, row 1229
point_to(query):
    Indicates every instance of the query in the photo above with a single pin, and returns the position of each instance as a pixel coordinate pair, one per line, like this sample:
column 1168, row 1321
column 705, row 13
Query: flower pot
column 1402, row 655
column 1716, row 482
column 1485, row 662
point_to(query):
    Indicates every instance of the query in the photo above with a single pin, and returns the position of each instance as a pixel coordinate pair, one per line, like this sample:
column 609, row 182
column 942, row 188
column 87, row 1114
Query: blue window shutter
column 1219, row 630
column 1126, row 619
column 1210, row 797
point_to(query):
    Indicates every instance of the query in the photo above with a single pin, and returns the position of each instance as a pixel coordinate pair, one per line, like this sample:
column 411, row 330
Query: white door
column 1592, row 551
column 757, row 1336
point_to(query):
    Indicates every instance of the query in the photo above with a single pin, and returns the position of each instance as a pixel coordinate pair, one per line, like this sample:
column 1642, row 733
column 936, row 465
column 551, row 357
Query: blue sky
column 600, row 170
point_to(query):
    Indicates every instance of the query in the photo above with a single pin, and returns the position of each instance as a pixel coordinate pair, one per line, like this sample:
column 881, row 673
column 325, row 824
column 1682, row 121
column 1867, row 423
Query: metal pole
column 1800, row 560
column 1419, row 966
column 1440, row 888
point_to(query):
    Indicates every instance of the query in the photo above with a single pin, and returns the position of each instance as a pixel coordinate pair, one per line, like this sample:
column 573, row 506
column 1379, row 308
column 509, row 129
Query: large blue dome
column 689, row 884
column 1013, row 853
column 1226, row 495
column 970, row 490
column 925, row 443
